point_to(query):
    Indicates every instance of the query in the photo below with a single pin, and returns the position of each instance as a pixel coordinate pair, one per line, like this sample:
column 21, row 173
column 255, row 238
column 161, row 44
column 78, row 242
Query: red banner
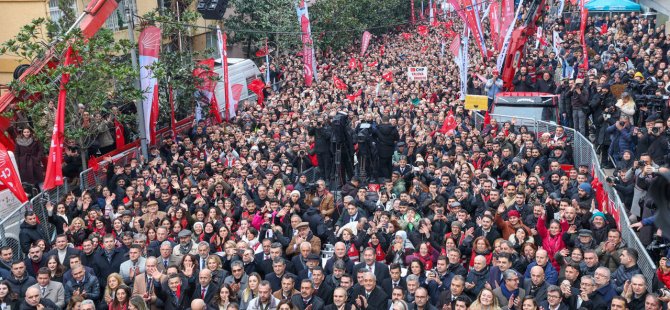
column 339, row 84
column 455, row 46
column 309, row 70
column 54, row 173
column 413, row 14
column 205, row 85
column 388, row 76
column 150, row 46
column 365, row 41
column 120, row 134
column 9, row 177
column 506, row 19
column 471, row 21
column 494, row 21
column 353, row 97
column 457, row 7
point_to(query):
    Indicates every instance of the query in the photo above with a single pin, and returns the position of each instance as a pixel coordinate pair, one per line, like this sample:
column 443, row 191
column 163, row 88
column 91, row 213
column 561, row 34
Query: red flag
column 257, row 87
column 93, row 164
column 120, row 134
column 406, row 35
column 355, row 95
column 9, row 177
column 214, row 110
column 339, row 84
column 448, row 25
column 173, row 120
column 352, row 63
column 487, row 118
column 381, row 50
column 54, row 173
column 603, row 28
column 205, row 85
column 422, row 30
column 388, row 76
column 506, row 19
column 449, row 124
column 262, row 52
column 424, row 48
column 365, row 41
column 582, row 30
column 494, row 21
column 471, row 22
column 373, row 64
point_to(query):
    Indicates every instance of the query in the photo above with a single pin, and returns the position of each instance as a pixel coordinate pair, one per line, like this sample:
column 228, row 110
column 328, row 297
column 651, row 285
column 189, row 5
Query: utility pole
column 133, row 58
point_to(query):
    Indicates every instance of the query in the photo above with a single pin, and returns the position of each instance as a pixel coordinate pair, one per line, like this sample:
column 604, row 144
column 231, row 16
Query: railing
column 584, row 154
column 10, row 225
column 89, row 178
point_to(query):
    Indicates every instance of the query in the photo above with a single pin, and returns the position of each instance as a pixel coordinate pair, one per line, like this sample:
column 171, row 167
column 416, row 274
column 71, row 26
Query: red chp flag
column 257, row 86
column 506, row 19
column 494, row 21
column 150, row 45
column 54, row 173
column 120, row 134
column 449, row 124
column 205, row 85
column 471, row 20
column 339, row 84
column 9, row 177
column 365, row 42
column 582, row 31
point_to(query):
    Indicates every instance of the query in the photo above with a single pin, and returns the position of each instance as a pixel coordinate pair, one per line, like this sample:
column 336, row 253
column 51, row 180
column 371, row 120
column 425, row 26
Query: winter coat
column 29, row 235
column 28, row 153
column 552, row 244
column 627, row 108
column 387, row 136
column 621, row 140
column 601, row 118
column 623, row 274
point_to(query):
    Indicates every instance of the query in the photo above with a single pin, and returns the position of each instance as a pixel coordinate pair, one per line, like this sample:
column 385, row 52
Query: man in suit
column 63, row 251
column 321, row 288
column 109, row 259
column 50, row 290
column 340, row 299
column 352, row 215
column 380, row 270
column 287, row 289
column 394, row 281
column 554, row 299
column 397, row 294
column 313, row 261
column 536, row 286
column 509, row 291
column 238, row 279
column 203, row 254
column 339, row 253
column 33, row 300
column 35, row 260
column 421, row 300
column 165, row 257
column 456, row 290
column 368, row 295
column 205, row 290
column 300, row 261
column 176, row 293
column 83, row 284
column 306, row 297
column 133, row 266
column 154, row 248
column 279, row 269
column 265, row 300
column 144, row 285
column 263, row 259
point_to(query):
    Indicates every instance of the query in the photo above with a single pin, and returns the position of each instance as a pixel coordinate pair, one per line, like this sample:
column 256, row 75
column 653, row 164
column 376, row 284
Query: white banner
column 503, row 50
column 417, row 73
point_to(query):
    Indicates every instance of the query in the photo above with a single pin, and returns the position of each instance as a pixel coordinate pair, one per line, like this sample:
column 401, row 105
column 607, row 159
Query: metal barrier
column 584, row 153
column 89, row 179
column 39, row 205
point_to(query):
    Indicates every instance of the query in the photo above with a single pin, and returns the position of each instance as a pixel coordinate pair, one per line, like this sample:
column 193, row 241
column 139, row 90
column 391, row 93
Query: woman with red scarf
column 482, row 247
column 427, row 255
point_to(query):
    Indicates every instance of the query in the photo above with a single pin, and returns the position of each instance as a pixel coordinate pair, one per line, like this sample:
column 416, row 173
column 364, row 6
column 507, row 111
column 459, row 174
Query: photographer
column 579, row 97
column 322, row 132
column 387, row 136
column 621, row 136
column 564, row 106
column 367, row 149
column 301, row 162
column 604, row 114
column 658, row 149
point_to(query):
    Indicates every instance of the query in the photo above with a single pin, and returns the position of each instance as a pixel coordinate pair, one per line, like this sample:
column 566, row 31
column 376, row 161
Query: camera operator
column 624, row 186
column 322, row 132
column 579, row 100
column 658, row 149
column 643, row 173
column 387, row 136
column 301, row 162
column 604, row 114
column 367, row 148
column 621, row 136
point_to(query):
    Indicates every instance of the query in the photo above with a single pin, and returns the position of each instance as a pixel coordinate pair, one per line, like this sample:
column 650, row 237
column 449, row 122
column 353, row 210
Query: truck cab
column 538, row 106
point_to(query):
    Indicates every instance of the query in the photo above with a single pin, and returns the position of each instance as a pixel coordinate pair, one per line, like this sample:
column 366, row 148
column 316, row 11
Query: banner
column 455, row 46
column 472, row 21
column 9, row 177
column 388, row 76
column 457, row 7
column 507, row 19
column 582, row 30
column 413, row 14
column 508, row 35
column 560, row 8
column 477, row 103
column 417, row 74
column 120, row 134
column 365, row 41
column 308, row 56
column 54, row 173
column 431, row 13
column 257, row 86
column 150, row 45
column 494, row 21
column 205, row 85
column 230, row 109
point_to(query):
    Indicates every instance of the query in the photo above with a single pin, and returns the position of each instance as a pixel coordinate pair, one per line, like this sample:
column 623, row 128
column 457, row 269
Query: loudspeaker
column 212, row 9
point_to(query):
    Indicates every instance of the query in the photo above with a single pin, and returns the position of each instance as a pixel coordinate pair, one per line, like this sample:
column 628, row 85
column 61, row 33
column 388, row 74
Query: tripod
column 336, row 173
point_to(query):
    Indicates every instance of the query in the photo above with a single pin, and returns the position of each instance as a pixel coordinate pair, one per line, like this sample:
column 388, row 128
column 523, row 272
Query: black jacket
column 316, row 302
column 103, row 268
column 377, row 299
column 29, row 235
column 48, row 305
column 170, row 302
column 387, row 136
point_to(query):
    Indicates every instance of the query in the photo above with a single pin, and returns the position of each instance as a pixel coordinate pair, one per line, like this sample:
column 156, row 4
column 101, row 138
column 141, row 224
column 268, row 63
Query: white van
column 241, row 71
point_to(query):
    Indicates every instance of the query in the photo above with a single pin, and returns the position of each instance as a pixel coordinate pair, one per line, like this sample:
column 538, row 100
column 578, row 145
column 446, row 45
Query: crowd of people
column 289, row 208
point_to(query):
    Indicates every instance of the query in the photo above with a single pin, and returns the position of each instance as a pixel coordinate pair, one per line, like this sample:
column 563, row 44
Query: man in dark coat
column 307, row 297
column 109, row 259
column 322, row 133
column 387, row 136
column 522, row 81
column 369, row 295
column 30, row 231
column 176, row 292
column 34, row 301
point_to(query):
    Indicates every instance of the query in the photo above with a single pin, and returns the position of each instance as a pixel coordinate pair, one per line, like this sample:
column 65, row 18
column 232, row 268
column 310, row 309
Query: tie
column 367, row 295
column 204, row 290
column 44, row 291
column 109, row 257
column 165, row 263
column 395, row 284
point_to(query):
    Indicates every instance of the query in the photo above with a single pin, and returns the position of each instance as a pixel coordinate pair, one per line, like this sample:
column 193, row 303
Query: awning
column 612, row 6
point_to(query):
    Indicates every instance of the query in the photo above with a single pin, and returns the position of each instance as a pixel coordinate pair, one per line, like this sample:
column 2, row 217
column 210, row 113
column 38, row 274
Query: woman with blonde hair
column 251, row 291
column 114, row 281
column 75, row 303
column 485, row 301
column 137, row 303
column 627, row 106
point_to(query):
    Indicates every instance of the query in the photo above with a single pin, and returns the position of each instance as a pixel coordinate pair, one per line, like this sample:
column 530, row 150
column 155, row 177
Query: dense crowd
column 264, row 213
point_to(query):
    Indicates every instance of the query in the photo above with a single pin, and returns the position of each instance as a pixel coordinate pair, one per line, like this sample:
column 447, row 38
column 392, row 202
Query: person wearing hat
column 304, row 235
column 153, row 215
column 579, row 100
column 185, row 245
column 313, row 260
column 513, row 222
column 585, row 240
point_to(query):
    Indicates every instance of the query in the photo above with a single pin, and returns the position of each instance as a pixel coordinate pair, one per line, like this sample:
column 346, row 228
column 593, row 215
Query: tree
column 102, row 81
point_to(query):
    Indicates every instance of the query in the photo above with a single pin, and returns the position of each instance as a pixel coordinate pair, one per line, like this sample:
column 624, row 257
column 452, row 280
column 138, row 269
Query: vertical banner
column 508, row 35
column 560, row 8
column 457, row 7
column 365, row 42
column 267, row 63
column 173, row 121
column 54, row 173
column 9, row 177
column 431, row 13
column 150, row 45
column 507, row 19
column 582, row 31
column 205, row 86
column 494, row 21
column 465, row 59
column 231, row 99
column 471, row 20
column 308, row 56
column 411, row 3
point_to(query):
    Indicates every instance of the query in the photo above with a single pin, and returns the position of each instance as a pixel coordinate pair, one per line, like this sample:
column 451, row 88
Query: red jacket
column 551, row 244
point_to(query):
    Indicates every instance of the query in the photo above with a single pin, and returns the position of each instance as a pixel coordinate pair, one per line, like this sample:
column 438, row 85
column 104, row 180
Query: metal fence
column 10, row 224
column 584, row 154
column 89, row 179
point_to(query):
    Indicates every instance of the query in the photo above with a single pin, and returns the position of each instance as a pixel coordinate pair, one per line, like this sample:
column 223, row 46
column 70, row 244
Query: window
column 55, row 11
column 118, row 20
column 212, row 45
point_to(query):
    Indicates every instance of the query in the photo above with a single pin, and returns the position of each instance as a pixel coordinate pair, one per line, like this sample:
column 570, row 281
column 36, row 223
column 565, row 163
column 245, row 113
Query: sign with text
column 476, row 103
column 417, row 73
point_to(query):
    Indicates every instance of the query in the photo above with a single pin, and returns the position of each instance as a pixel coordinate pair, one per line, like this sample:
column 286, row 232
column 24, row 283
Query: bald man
column 477, row 277
column 33, row 301
column 198, row 304
column 536, row 286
